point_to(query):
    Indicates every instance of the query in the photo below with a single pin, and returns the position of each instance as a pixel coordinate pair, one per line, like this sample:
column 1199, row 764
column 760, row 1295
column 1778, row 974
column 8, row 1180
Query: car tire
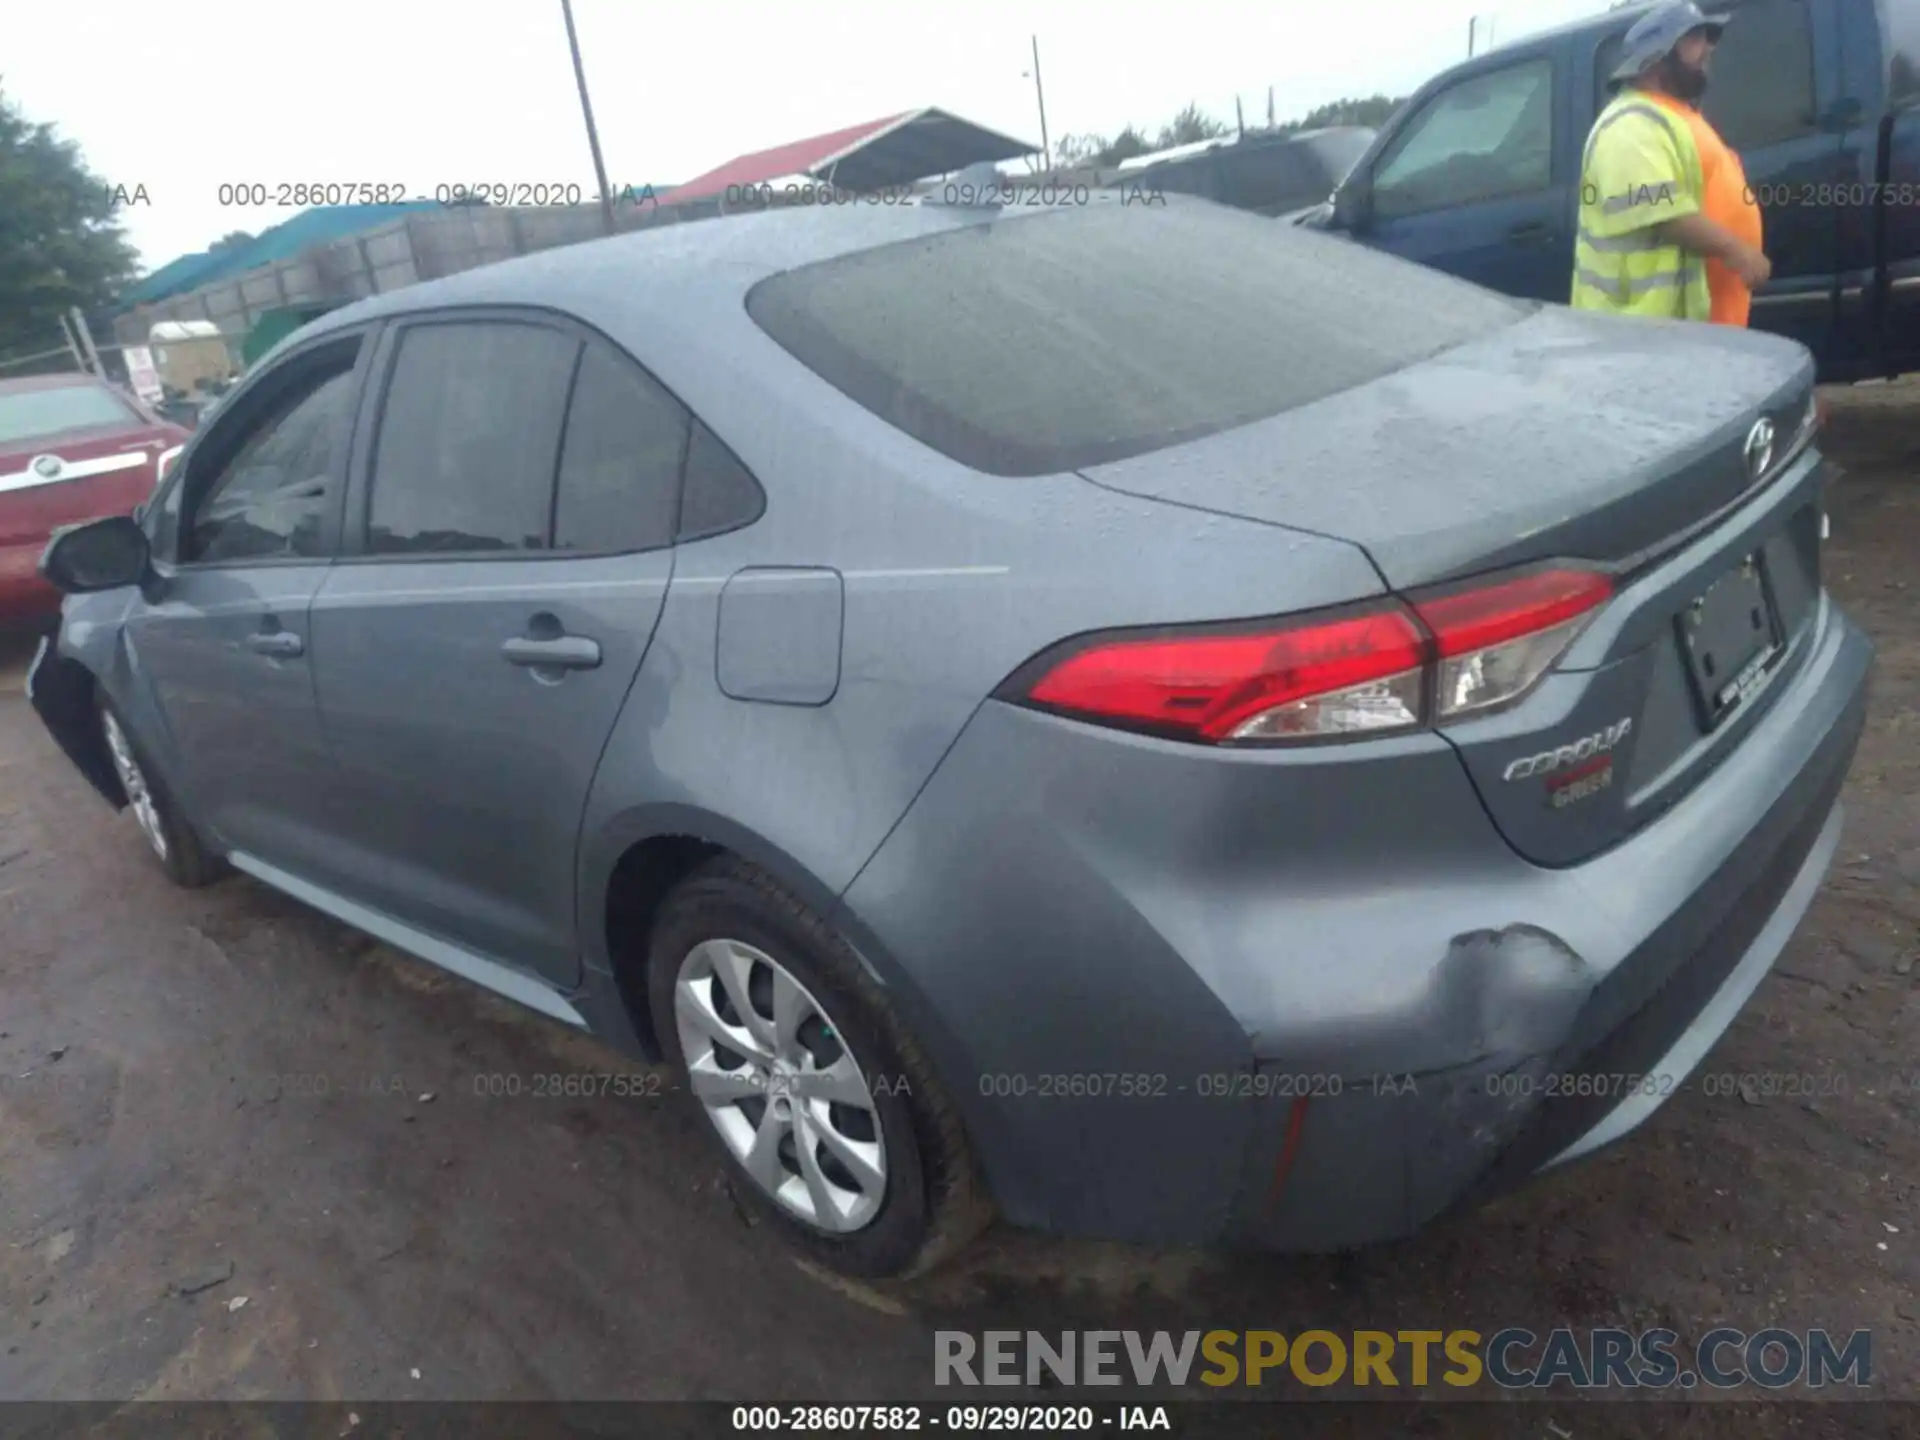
column 172, row 839
column 931, row 1203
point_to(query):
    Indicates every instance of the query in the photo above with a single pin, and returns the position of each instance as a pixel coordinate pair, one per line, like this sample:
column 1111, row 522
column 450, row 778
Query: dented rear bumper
column 1580, row 1054
column 1294, row 1001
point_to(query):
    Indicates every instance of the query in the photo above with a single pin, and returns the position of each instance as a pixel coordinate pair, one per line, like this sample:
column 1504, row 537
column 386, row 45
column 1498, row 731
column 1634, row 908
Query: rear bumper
column 1451, row 1138
column 1327, row 1025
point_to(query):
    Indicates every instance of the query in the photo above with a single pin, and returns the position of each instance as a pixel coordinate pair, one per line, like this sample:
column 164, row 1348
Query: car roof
column 730, row 253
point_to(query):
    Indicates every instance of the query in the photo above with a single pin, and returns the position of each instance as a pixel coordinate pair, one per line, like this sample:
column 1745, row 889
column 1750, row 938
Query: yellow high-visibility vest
column 1641, row 169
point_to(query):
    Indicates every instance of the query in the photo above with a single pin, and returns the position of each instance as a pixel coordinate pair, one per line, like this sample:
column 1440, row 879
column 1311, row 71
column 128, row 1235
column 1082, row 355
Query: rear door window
column 469, row 439
column 1055, row 340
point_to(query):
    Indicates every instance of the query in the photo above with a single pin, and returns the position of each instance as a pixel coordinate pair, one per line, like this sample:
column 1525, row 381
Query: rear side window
column 1760, row 88
column 29, row 414
column 1068, row 338
column 620, row 465
column 470, row 438
column 720, row 493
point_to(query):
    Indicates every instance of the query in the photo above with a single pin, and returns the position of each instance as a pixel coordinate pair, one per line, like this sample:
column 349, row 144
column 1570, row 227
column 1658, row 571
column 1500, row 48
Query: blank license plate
column 1730, row 637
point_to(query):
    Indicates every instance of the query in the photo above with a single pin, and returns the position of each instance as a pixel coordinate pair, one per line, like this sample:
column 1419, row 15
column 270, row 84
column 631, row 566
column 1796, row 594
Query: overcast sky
column 439, row 92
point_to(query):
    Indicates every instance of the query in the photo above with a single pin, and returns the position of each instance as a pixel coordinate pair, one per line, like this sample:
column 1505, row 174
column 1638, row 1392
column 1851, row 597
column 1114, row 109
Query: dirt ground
column 242, row 1083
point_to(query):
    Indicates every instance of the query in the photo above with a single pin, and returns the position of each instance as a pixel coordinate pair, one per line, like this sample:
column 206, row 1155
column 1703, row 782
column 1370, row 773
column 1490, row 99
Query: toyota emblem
column 1759, row 448
column 47, row 467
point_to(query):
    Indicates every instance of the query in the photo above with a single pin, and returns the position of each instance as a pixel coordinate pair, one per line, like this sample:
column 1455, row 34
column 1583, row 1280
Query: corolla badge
column 47, row 467
column 1560, row 757
column 1759, row 448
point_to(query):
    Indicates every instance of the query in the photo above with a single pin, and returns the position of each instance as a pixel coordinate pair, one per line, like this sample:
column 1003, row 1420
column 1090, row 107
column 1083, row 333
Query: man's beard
column 1681, row 80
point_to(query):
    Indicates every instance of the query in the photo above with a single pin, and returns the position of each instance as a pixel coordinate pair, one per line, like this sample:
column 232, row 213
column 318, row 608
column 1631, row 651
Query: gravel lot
column 242, row 1083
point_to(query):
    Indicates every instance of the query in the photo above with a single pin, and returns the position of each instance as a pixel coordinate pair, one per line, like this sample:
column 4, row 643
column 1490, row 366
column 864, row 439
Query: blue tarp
column 309, row 228
column 285, row 240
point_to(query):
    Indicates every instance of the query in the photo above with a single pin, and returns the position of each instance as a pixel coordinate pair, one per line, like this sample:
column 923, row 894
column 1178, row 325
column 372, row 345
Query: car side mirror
column 1353, row 203
column 100, row 555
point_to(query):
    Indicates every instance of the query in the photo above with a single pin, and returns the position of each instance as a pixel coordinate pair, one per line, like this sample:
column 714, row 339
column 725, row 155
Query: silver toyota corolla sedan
column 1171, row 728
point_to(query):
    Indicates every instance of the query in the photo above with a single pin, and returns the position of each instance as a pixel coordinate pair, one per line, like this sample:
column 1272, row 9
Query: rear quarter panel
column 949, row 578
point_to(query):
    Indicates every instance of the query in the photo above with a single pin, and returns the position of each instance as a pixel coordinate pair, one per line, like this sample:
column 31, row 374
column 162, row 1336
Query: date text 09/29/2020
column 953, row 1419
column 509, row 194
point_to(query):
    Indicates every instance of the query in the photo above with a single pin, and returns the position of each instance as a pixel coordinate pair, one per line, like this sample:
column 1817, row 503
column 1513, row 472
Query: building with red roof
column 896, row 150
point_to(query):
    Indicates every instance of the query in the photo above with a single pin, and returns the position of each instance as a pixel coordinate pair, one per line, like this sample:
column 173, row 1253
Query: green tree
column 1190, row 125
column 232, row 240
column 1072, row 150
column 1375, row 110
column 60, row 242
column 1124, row 146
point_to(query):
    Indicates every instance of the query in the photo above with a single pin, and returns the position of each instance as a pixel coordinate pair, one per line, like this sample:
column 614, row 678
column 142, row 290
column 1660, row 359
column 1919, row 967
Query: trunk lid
column 1565, row 435
column 1570, row 438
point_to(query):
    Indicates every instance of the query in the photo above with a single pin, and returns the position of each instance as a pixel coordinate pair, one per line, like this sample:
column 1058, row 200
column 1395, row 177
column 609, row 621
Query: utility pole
column 586, row 110
column 1041, row 95
column 1473, row 23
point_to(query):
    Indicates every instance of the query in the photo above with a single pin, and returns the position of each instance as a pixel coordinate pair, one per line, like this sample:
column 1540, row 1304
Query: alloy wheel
column 139, row 795
column 774, row 1074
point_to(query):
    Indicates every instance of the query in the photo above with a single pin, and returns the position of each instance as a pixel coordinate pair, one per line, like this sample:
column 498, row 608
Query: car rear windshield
column 29, row 414
column 1069, row 338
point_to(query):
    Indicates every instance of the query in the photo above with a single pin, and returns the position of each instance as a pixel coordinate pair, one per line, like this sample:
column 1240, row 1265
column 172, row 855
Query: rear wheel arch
column 643, row 855
column 935, row 1196
column 653, row 852
column 644, row 875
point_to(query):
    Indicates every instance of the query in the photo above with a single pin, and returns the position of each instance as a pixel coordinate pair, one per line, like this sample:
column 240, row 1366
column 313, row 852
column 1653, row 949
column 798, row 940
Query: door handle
column 280, row 644
column 565, row 652
column 1534, row 232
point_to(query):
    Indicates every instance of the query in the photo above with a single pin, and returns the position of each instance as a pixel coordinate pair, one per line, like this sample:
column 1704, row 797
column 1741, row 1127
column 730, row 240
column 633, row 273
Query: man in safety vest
column 1668, row 226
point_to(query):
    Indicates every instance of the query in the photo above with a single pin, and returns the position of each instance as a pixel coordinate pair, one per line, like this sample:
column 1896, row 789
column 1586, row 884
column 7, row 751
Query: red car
column 72, row 448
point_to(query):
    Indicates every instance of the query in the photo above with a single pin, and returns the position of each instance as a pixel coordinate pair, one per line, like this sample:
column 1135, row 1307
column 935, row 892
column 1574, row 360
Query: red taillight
column 1475, row 619
column 1212, row 685
column 1347, row 674
column 1495, row 641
